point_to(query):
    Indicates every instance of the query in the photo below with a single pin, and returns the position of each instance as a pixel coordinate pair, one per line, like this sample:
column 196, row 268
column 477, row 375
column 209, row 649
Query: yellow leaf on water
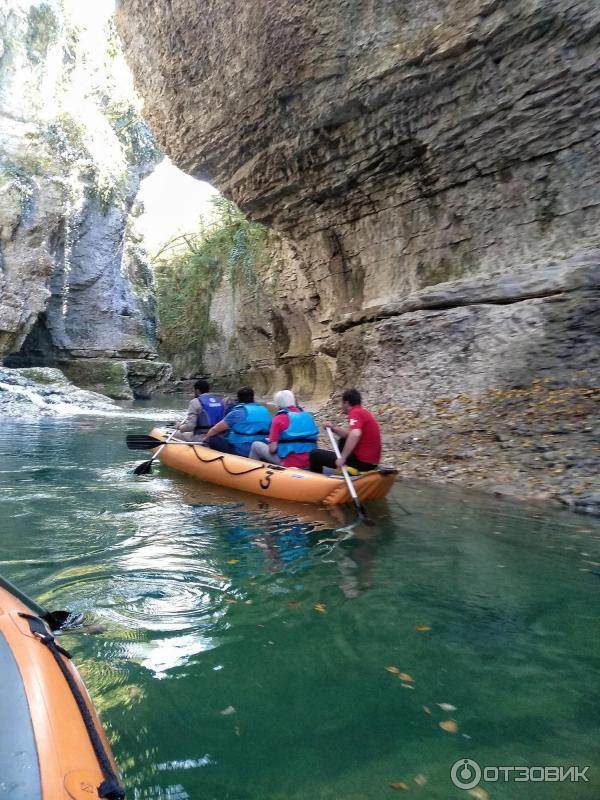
column 395, row 670
column 233, row 561
column 479, row 794
column 422, row 627
column 400, row 787
column 449, row 725
column 321, row 608
column 404, row 676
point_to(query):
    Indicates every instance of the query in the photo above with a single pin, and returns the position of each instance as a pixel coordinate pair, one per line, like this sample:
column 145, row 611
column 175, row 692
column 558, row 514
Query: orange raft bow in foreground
column 46, row 750
column 268, row 480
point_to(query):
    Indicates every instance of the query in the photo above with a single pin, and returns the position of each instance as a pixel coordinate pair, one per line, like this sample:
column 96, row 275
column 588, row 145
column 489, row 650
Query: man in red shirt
column 360, row 443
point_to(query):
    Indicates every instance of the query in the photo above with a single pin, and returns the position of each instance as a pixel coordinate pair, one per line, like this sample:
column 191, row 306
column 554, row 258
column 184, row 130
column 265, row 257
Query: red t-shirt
column 280, row 423
column 368, row 448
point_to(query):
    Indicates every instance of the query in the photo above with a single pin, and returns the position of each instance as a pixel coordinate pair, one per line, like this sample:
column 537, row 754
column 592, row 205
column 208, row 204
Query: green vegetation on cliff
column 190, row 268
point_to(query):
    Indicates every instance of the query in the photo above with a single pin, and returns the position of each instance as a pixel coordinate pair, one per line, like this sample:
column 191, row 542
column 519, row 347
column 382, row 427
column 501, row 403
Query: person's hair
column 202, row 386
column 352, row 396
column 284, row 399
column 245, row 394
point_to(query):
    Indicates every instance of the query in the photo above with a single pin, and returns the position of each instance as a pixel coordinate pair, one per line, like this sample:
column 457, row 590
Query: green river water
column 244, row 657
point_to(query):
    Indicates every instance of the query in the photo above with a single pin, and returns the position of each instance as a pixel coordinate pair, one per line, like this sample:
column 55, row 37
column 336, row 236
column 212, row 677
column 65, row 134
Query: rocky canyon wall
column 73, row 149
column 399, row 147
column 433, row 170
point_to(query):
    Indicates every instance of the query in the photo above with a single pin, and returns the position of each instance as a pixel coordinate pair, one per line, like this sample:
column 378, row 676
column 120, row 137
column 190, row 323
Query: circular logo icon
column 465, row 773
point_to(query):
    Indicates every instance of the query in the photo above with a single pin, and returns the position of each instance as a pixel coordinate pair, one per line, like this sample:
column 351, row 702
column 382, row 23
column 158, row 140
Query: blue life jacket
column 214, row 410
column 255, row 428
column 301, row 435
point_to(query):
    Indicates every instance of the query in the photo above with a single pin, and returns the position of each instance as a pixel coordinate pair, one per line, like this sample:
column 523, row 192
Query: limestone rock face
column 121, row 380
column 73, row 150
column 399, row 145
column 265, row 337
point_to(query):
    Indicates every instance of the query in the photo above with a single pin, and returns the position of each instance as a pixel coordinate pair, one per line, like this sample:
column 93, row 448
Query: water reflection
column 289, row 614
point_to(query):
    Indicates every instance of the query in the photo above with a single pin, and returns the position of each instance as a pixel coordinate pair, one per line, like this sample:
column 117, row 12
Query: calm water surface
column 247, row 644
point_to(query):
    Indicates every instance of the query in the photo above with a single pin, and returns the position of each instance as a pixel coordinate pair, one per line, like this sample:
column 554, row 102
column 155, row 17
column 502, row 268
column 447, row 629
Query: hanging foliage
column 191, row 267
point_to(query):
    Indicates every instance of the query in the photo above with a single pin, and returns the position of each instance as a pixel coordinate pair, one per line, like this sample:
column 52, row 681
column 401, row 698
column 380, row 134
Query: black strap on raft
column 221, row 458
column 111, row 788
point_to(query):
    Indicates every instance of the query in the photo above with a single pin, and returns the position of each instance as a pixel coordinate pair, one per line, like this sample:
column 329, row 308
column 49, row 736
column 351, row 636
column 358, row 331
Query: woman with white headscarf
column 292, row 436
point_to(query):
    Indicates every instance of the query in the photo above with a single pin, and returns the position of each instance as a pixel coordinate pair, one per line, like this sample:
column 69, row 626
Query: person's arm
column 352, row 440
column 217, row 428
column 340, row 432
column 191, row 420
column 274, row 436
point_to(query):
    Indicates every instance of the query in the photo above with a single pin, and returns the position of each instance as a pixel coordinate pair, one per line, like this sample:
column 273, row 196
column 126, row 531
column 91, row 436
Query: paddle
column 143, row 441
column 145, row 467
column 55, row 619
column 360, row 509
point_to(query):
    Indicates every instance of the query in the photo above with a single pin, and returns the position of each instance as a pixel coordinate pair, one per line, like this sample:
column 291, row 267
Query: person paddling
column 204, row 411
column 292, row 436
column 360, row 443
column 246, row 423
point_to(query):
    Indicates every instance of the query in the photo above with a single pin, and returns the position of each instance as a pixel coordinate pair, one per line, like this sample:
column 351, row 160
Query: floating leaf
column 227, row 712
column 447, row 707
column 233, row 561
column 400, row 787
column 449, row 725
column 404, row 676
column 321, row 608
column 426, row 709
column 479, row 794
column 395, row 670
column 420, row 779
column 406, row 686
column 422, row 627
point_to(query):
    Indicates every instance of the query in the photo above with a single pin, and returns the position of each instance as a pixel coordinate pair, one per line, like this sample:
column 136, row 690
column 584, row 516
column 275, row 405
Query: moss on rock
column 104, row 375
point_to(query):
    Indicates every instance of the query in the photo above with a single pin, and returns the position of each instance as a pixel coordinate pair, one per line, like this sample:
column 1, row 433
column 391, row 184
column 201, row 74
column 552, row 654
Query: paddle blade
column 142, row 441
column 145, row 468
column 57, row 620
column 362, row 513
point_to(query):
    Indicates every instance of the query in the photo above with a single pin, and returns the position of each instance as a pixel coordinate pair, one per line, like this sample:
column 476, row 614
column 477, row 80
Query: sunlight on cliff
column 173, row 202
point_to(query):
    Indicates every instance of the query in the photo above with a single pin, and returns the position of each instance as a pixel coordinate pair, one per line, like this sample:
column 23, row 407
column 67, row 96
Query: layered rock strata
column 434, row 166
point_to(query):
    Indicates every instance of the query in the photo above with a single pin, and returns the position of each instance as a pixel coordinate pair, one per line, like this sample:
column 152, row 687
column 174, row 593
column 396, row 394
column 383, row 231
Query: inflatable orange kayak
column 269, row 480
column 52, row 746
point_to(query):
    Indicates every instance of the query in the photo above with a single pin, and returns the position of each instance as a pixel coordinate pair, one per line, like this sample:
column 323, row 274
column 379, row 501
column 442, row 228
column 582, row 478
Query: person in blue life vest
column 246, row 423
column 204, row 411
column 292, row 436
